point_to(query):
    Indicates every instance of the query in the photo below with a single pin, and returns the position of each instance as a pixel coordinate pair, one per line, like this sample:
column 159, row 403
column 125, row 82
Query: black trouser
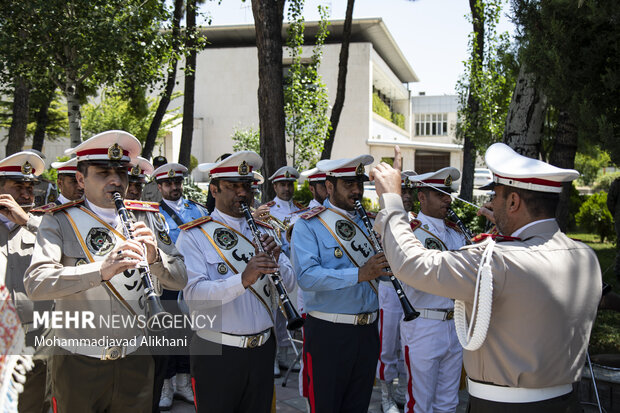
column 567, row 403
column 239, row 380
column 340, row 361
column 35, row 398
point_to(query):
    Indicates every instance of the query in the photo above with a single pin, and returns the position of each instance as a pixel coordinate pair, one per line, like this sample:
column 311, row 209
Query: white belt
column 104, row 353
column 436, row 314
column 355, row 319
column 515, row 394
column 251, row 341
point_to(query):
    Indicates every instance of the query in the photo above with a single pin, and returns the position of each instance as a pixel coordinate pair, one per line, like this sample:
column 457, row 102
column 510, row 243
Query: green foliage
column 573, row 50
column 590, row 166
column 575, row 202
column 369, row 206
column 193, row 163
column 594, row 216
column 246, row 140
column 467, row 214
column 115, row 112
column 489, row 82
column 57, row 115
column 388, row 160
column 604, row 182
column 303, row 194
column 398, row 119
column 193, row 192
column 380, row 108
column 306, row 103
column 51, row 174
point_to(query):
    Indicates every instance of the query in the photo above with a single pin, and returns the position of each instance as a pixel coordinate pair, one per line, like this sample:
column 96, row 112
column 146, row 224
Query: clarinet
column 154, row 310
column 468, row 235
column 410, row 312
column 293, row 320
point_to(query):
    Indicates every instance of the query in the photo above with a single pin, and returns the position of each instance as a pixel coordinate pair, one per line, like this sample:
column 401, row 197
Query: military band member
column 241, row 378
column 18, row 230
column 68, row 188
column 538, row 289
column 391, row 360
column 177, row 210
column 433, row 354
column 137, row 171
column 150, row 191
column 316, row 183
column 336, row 267
column 83, row 261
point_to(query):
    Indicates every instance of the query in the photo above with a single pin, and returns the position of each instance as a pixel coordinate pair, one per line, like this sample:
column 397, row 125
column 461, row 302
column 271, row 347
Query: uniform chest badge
column 338, row 252
column 432, row 244
column 222, row 268
column 81, row 261
column 164, row 237
column 225, row 238
column 345, row 229
column 99, row 241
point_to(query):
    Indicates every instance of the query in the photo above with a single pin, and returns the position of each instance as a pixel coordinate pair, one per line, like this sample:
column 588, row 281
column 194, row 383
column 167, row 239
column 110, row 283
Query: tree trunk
column 342, row 81
column 19, row 121
column 164, row 100
column 73, row 110
column 190, row 86
column 469, row 150
column 42, row 119
column 526, row 115
column 268, row 23
column 563, row 156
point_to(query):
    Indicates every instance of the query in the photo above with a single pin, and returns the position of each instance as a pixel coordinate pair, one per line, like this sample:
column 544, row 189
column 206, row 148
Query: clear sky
column 432, row 34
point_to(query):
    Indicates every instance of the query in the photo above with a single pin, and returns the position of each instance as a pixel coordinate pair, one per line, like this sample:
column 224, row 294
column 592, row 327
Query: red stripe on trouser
column 381, row 363
column 54, row 405
column 304, row 371
column 194, row 390
column 308, row 363
column 411, row 402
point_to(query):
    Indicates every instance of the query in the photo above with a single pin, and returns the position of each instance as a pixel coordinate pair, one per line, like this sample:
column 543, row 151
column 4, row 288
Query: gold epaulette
column 415, row 224
column 299, row 205
column 44, row 208
column 66, row 205
column 195, row 222
column 270, row 203
column 141, row 205
column 452, row 225
column 313, row 212
column 263, row 224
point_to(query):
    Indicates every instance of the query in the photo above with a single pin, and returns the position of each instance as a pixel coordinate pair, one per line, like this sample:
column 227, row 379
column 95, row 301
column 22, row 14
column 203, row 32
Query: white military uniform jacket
column 546, row 289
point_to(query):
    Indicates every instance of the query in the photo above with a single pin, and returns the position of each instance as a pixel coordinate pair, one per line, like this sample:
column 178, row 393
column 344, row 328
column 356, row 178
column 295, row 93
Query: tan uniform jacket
column 150, row 192
column 16, row 248
column 53, row 274
column 546, row 289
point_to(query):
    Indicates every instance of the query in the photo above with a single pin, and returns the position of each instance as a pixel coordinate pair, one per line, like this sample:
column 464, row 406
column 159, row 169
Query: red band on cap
column 434, row 181
column 535, row 181
column 317, row 176
column 343, row 170
column 11, row 169
column 67, row 169
column 164, row 174
column 284, row 176
column 225, row 169
column 98, row 151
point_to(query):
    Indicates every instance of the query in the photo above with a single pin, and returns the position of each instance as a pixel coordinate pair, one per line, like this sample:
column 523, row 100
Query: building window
column 431, row 124
column 431, row 161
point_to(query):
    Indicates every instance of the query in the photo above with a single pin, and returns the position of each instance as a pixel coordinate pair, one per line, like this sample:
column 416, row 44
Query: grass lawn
column 606, row 333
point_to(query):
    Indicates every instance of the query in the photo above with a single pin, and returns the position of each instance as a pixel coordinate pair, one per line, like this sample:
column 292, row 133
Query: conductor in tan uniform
column 79, row 255
column 545, row 287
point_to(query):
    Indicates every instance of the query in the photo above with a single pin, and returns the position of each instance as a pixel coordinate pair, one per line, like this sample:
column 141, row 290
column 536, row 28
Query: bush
column 467, row 214
column 594, row 216
column 574, row 205
column 303, row 194
column 193, row 192
column 380, row 108
column 604, row 182
column 398, row 119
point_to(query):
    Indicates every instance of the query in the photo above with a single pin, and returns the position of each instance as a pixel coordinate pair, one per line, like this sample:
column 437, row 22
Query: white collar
column 350, row 214
column 108, row 215
column 280, row 201
column 176, row 205
column 437, row 223
column 526, row 226
column 233, row 222
column 63, row 199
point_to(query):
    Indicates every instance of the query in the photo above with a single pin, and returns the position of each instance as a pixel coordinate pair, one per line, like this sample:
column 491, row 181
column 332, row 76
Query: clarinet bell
column 294, row 323
column 156, row 315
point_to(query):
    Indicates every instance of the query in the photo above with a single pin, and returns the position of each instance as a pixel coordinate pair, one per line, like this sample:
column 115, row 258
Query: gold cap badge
column 360, row 169
column 171, row 173
column 115, row 152
column 448, row 180
column 243, row 169
column 26, row 168
column 135, row 171
column 287, row 174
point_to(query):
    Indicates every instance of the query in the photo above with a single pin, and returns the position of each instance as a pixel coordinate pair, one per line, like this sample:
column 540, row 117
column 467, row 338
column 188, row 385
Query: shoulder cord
column 157, row 222
column 481, row 311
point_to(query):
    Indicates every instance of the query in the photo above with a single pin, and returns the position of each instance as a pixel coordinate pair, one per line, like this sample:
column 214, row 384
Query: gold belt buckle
column 252, row 342
column 112, row 353
column 449, row 314
column 363, row 319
